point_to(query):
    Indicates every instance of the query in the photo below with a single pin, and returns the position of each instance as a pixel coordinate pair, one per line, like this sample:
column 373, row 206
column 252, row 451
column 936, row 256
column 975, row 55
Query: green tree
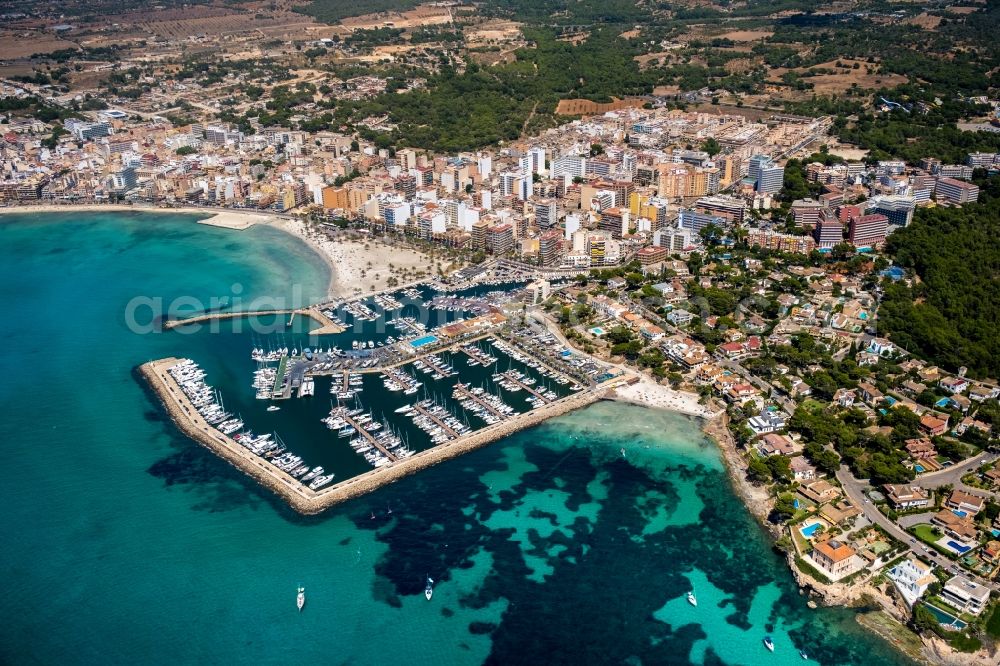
column 758, row 472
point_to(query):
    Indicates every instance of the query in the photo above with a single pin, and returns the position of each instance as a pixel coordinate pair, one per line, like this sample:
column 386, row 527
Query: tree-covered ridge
column 951, row 314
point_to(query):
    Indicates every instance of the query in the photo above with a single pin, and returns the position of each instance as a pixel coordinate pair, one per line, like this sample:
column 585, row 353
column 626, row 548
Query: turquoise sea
column 125, row 542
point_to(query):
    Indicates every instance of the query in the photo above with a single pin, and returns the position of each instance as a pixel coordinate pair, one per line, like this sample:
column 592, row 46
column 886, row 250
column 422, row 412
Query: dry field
column 585, row 107
column 630, row 34
column 746, row 35
column 652, row 59
column 492, row 32
column 24, row 43
column 844, row 79
column 417, row 17
column 925, row 21
column 225, row 23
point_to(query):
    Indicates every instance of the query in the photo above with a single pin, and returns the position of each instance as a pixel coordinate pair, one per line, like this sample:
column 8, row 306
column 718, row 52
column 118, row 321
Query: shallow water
column 126, row 542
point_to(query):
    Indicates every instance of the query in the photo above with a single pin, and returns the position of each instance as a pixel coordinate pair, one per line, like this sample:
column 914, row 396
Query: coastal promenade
column 308, row 502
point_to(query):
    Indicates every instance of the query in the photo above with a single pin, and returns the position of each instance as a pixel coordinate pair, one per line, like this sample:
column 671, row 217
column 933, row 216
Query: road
column 855, row 489
column 953, row 475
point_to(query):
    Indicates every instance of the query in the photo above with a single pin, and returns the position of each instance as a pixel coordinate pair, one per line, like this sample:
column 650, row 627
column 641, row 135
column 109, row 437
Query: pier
column 368, row 436
column 327, row 325
column 278, row 390
column 476, row 354
column 437, row 367
column 438, row 422
column 309, row 502
column 464, row 393
column 509, row 376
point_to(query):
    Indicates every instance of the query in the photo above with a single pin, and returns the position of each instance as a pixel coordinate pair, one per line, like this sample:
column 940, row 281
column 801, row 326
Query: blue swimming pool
column 426, row 340
column 809, row 530
column 959, row 547
column 995, row 533
column 945, row 618
column 959, row 513
column 918, row 468
column 597, row 330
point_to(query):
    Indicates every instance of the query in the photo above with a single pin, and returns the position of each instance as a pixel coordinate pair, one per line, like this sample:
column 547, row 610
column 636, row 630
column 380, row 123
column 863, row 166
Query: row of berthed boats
column 477, row 356
column 397, row 379
column 434, row 365
column 355, row 384
column 529, row 361
column 369, row 437
column 206, row 400
column 487, row 406
column 191, row 379
column 435, row 420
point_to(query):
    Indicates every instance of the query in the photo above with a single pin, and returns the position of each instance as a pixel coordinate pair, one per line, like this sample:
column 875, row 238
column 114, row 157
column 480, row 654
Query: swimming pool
column 995, row 533
column 426, row 340
column 918, row 468
column 959, row 513
column 809, row 530
column 597, row 330
column 945, row 618
column 959, row 547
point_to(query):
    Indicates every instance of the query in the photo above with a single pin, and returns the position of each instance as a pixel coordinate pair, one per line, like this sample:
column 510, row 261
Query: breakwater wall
column 306, row 501
column 327, row 326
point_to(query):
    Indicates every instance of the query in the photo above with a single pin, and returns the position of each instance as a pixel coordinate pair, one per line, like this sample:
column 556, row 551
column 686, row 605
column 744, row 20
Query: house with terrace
column 963, row 503
column 911, row 578
column 966, row 596
column 904, row 497
column 836, row 559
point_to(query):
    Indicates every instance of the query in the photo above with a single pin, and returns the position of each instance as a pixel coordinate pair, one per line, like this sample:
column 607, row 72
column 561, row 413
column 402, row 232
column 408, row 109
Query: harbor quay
column 306, row 501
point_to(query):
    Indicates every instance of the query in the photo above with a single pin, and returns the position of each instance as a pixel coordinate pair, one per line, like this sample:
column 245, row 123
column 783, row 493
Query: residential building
column 906, row 496
column 868, row 230
column 898, row 209
column 965, row 503
column 768, row 177
column 836, row 559
column 966, row 596
column 550, row 247
column 829, row 232
column 911, row 578
column 955, row 191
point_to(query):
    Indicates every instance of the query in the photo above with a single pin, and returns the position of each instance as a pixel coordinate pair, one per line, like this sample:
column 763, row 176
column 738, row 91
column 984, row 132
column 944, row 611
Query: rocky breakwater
column 184, row 414
column 301, row 498
column 370, row 481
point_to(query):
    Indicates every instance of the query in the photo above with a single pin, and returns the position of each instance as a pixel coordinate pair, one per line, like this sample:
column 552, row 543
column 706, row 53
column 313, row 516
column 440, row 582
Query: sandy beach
column 356, row 267
column 359, row 267
column 648, row 393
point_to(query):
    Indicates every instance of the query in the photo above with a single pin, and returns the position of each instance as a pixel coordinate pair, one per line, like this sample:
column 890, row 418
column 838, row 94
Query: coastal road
column 855, row 489
column 953, row 475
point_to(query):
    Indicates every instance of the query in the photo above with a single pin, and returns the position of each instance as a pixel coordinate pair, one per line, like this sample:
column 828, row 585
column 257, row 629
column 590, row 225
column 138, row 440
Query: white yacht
column 429, row 588
column 300, row 599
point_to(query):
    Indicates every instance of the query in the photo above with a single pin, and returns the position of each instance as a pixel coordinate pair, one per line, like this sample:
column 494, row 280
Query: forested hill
column 951, row 315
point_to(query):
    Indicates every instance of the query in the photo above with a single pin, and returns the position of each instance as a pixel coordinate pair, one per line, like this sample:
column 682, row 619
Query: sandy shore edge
column 353, row 265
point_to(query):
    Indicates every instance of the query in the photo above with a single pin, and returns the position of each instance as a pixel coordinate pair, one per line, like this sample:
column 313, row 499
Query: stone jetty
column 327, row 325
column 300, row 497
